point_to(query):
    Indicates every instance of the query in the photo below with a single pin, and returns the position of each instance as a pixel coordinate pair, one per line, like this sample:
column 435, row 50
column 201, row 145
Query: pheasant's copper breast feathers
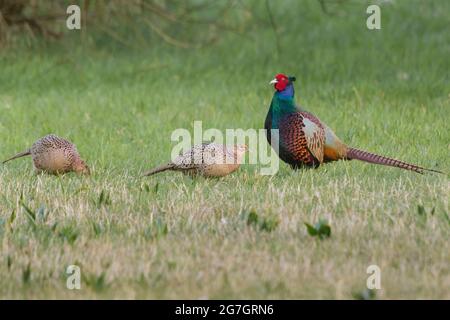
column 302, row 137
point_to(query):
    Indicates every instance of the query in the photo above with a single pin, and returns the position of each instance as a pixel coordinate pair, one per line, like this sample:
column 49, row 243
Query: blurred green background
column 137, row 70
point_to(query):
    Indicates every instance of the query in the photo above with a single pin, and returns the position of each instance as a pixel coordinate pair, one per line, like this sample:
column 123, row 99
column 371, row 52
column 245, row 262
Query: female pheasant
column 207, row 159
column 54, row 155
column 305, row 141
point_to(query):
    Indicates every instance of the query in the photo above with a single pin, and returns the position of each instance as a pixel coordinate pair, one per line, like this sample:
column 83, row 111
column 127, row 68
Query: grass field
column 170, row 236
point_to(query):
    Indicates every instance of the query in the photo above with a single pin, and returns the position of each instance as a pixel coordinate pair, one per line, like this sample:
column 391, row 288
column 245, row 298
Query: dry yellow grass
column 170, row 236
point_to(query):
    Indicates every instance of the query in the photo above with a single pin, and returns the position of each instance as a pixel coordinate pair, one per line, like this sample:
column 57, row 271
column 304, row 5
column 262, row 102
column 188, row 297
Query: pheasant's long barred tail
column 19, row 155
column 156, row 170
column 353, row 153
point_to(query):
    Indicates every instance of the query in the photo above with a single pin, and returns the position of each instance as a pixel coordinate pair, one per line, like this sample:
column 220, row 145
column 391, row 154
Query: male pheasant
column 208, row 159
column 54, row 155
column 305, row 141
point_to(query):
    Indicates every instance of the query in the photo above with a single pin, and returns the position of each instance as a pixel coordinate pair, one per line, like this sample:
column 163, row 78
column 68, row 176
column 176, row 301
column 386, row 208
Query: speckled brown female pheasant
column 54, row 155
column 208, row 159
column 305, row 141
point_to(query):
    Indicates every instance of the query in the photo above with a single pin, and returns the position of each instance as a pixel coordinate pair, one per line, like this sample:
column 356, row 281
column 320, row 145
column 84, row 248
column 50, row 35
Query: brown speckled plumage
column 54, row 155
column 208, row 160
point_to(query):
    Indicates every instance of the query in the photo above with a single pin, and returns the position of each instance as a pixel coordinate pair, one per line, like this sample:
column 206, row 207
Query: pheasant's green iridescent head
column 283, row 98
column 283, row 85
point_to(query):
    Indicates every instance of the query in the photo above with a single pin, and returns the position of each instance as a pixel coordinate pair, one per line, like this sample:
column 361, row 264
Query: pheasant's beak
column 273, row 81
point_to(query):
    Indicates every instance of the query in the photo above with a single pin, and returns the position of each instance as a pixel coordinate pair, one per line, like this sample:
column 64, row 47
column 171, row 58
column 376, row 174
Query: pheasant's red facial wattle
column 281, row 81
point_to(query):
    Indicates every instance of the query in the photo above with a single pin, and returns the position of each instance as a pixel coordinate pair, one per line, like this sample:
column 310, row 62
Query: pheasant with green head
column 304, row 141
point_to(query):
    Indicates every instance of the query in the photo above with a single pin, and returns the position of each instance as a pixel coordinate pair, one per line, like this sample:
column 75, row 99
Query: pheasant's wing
column 315, row 135
column 51, row 142
column 303, row 137
column 197, row 156
column 189, row 159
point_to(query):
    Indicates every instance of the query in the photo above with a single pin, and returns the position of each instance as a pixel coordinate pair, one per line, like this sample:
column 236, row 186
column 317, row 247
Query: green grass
column 243, row 236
